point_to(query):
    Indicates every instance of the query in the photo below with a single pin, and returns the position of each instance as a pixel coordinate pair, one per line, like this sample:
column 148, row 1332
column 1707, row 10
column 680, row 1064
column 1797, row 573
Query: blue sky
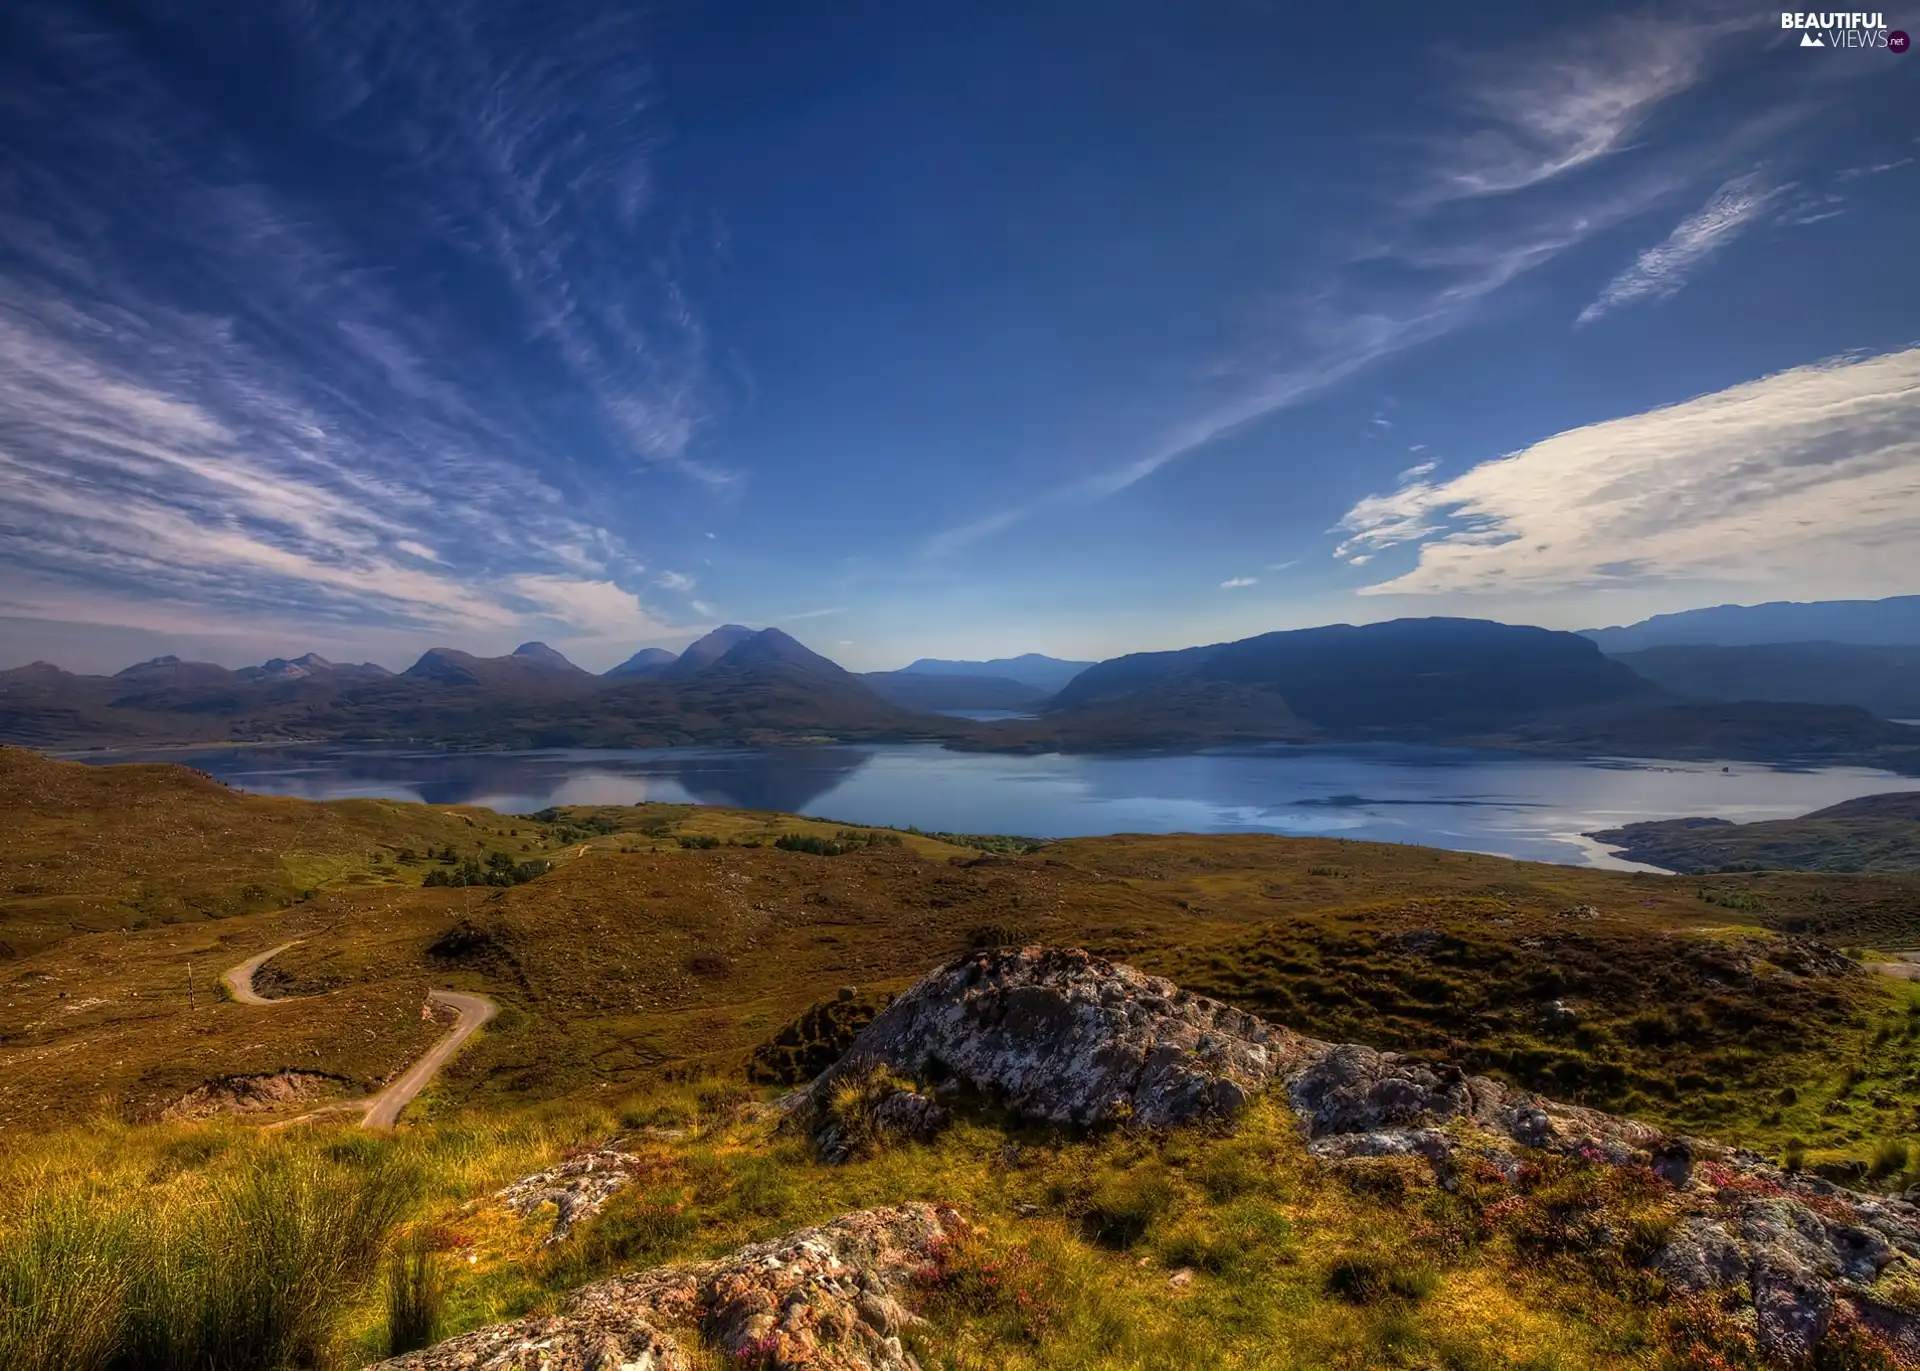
column 955, row 331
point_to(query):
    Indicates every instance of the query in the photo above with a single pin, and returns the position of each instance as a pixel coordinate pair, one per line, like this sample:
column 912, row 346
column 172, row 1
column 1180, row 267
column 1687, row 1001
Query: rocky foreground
column 1064, row 1038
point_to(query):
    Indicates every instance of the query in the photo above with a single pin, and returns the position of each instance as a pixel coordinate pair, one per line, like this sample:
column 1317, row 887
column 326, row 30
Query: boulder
column 822, row 1299
column 578, row 1188
column 1067, row 1038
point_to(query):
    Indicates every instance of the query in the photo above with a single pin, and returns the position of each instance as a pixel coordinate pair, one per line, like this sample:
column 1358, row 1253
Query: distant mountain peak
column 772, row 645
column 539, row 654
column 648, row 661
column 704, row 652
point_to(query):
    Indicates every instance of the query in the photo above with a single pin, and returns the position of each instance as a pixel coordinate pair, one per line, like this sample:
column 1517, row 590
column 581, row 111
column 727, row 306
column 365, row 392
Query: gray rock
column 821, row 1298
column 577, row 1188
column 1701, row 1255
column 1067, row 1038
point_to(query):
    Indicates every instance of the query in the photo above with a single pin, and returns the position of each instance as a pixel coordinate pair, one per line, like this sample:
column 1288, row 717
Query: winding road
column 383, row 1110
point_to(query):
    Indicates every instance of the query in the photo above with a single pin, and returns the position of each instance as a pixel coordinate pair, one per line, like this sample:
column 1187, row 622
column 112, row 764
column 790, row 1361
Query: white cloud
column 1662, row 271
column 810, row 614
column 1574, row 99
column 1239, row 582
column 675, row 580
column 1807, row 481
column 594, row 609
column 1283, row 566
column 420, row 550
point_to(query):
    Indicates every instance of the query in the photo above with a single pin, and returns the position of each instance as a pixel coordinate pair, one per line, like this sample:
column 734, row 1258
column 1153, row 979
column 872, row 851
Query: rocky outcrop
column 578, row 1188
column 822, row 1299
column 1066, row 1038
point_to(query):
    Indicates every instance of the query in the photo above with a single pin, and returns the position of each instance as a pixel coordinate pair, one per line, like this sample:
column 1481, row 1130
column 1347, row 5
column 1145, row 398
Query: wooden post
column 190, row 1000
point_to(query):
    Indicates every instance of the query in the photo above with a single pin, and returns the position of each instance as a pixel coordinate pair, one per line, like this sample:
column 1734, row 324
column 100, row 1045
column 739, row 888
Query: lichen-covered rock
column 1067, row 1038
column 578, row 1188
column 821, row 1299
column 584, row 1342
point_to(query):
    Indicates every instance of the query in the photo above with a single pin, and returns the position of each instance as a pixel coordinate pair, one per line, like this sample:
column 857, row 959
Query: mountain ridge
column 1891, row 621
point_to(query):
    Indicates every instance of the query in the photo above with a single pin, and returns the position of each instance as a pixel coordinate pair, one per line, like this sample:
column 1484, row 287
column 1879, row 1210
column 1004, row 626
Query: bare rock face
column 821, row 1299
column 578, row 1188
column 1068, row 1038
column 255, row 1094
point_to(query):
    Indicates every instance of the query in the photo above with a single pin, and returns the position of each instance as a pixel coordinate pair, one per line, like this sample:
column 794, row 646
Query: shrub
column 245, row 1268
column 698, row 841
column 966, row 1277
column 847, row 1122
column 806, row 842
column 1375, row 1278
column 1793, row 1157
column 1889, row 1159
column 416, row 1296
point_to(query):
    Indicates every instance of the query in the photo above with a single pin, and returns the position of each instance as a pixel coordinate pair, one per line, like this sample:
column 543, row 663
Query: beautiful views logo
column 1844, row 31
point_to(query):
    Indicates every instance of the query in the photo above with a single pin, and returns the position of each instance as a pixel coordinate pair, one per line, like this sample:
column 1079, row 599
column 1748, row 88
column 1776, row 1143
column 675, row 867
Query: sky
column 960, row 331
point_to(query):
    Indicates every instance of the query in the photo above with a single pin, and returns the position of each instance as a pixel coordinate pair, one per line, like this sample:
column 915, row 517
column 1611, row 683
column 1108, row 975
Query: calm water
column 1517, row 806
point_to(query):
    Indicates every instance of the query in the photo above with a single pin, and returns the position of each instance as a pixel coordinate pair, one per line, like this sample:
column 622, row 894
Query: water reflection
column 1517, row 806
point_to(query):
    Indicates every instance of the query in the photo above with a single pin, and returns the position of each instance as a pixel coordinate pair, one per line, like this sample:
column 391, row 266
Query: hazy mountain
column 1895, row 620
column 1883, row 680
column 924, row 690
column 772, row 648
column 1032, row 668
column 763, row 687
column 171, row 671
column 708, row 650
column 1408, row 678
column 544, row 657
column 531, row 664
column 309, row 666
column 648, row 661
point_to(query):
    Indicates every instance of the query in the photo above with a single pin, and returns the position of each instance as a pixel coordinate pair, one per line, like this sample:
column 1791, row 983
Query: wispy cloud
column 1512, row 183
column 675, row 581
column 1239, row 582
column 1663, row 270
column 1807, row 480
column 214, row 393
column 810, row 614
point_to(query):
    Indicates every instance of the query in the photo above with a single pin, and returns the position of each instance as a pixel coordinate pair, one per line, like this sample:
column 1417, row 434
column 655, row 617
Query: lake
column 1505, row 803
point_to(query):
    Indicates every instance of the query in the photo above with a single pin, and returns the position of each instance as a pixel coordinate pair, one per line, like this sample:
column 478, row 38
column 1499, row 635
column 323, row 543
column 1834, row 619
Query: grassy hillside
column 674, row 938
column 1878, row 833
column 639, row 975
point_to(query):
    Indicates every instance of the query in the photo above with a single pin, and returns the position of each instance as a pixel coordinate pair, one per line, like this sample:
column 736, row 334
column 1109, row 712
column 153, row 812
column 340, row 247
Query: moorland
column 664, row 972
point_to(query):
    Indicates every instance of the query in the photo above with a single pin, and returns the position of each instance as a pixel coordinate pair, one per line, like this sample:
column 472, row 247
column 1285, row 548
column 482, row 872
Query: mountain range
column 1436, row 681
column 1894, row 621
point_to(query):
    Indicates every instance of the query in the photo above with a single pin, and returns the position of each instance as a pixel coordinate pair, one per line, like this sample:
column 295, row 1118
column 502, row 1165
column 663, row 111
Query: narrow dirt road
column 1907, row 968
column 383, row 1110
column 474, row 1010
column 240, row 979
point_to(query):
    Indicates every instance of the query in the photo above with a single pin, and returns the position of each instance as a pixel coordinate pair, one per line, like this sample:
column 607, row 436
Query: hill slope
column 1882, row 680
column 1035, row 669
